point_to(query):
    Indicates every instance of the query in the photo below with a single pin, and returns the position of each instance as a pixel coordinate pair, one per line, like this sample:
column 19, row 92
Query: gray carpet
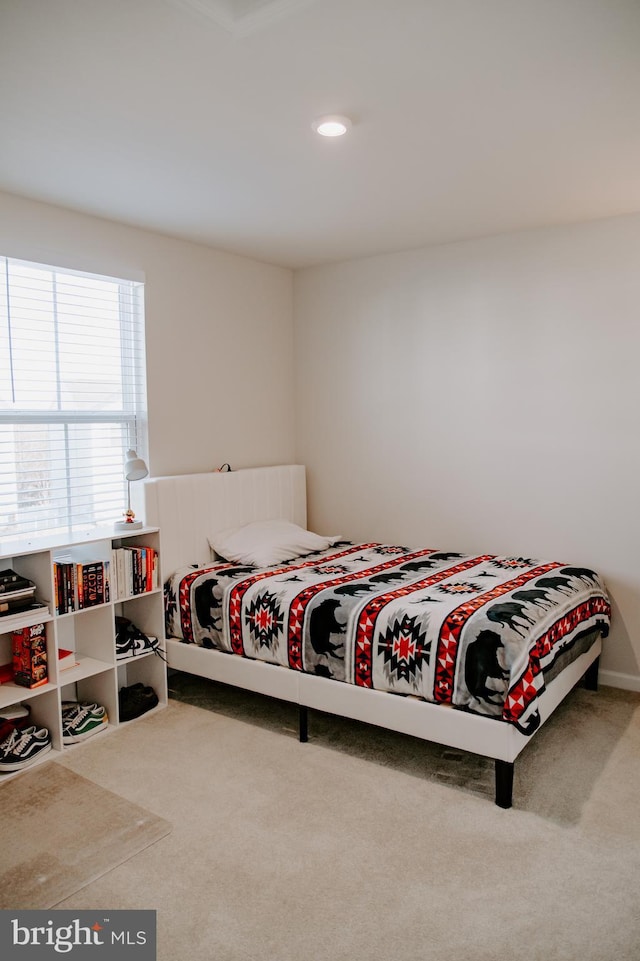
column 61, row 831
column 550, row 781
column 364, row 845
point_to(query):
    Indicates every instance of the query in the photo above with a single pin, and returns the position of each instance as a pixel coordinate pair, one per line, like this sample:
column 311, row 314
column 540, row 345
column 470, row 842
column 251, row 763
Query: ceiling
column 193, row 117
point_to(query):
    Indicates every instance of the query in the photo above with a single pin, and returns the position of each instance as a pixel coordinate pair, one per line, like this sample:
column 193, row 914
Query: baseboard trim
column 627, row 682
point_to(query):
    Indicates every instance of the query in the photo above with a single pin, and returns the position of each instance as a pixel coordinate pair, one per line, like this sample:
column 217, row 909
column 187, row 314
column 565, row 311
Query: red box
column 30, row 656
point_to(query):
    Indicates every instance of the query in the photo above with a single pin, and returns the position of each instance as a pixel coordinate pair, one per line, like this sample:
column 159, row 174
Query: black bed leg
column 504, row 783
column 591, row 676
column 303, row 723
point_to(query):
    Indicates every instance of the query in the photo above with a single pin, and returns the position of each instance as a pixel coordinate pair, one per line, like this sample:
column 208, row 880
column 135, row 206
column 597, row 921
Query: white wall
column 483, row 396
column 218, row 326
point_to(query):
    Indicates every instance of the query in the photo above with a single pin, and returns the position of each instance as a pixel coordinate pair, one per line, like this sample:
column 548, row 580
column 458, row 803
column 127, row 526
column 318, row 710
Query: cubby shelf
column 89, row 633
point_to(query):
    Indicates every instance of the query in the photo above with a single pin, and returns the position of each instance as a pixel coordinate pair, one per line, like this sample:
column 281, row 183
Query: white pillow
column 265, row 543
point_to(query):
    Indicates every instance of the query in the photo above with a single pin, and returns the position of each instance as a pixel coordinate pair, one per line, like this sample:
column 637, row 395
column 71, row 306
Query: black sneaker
column 10, row 731
column 131, row 641
column 9, row 734
column 136, row 700
column 25, row 749
column 70, row 708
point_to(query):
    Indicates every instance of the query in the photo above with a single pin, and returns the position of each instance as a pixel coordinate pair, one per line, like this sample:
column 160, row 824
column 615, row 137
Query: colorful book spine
column 136, row 570
column 64, row 586
column 92, row 583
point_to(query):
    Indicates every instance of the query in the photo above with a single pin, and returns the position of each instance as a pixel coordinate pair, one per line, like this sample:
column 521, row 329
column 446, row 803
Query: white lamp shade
column 134, row 467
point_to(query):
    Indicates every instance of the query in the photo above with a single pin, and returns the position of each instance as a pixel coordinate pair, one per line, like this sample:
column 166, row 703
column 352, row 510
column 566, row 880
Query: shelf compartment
column 86, row 667
column 98, row 687
column 149, row 670
column 43, row 712
column 89, row 633
column 12, row 693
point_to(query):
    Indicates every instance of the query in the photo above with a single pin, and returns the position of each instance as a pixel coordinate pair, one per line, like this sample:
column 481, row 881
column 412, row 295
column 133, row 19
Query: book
column 80, row 583
column 16, row 620
column 66, row 659
column 8, row 576
column 135, row 570
column 93, row 583
column 107, row 581
column 113, row 575
column 15, row 584
column 28, row 590
column 64, row 581
column 15, row 606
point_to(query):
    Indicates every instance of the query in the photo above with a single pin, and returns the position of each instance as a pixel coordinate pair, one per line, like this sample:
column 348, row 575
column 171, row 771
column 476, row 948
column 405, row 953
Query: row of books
column 131, row 571
column 77, row 586
column 134, row 571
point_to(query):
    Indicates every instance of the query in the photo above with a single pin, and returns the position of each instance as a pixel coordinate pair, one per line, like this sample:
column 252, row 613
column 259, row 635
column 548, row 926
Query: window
column 72, row 397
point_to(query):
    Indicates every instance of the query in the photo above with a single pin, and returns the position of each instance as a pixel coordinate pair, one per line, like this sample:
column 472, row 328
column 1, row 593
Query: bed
column 470, row 651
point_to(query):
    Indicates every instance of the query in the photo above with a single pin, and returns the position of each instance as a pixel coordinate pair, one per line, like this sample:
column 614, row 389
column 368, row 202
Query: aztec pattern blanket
column 481, row 633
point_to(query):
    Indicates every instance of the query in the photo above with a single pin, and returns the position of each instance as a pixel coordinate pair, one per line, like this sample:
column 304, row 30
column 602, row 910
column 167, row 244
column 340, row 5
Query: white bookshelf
column 88, row 632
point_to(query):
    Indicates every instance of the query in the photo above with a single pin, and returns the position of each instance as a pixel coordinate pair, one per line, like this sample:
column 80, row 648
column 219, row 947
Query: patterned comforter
column 481, row 633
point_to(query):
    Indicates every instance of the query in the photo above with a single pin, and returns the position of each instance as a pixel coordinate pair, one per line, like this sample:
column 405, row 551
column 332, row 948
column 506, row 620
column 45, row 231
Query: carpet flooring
column 364, row 845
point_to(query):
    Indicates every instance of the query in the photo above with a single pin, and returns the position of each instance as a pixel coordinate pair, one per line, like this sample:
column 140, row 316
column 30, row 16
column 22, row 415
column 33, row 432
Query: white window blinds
column 72, row 397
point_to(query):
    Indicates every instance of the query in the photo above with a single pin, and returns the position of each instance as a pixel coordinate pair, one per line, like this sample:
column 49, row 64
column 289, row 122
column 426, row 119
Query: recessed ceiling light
column 331, row 126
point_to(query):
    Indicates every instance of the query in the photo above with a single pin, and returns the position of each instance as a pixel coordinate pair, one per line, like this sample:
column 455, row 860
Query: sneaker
column 70, row 707
column 9, row 734
column 10, row 731
column 131, row 641
column 136, row 700
column 25, row 749
column 82, row 723
column 6, row 730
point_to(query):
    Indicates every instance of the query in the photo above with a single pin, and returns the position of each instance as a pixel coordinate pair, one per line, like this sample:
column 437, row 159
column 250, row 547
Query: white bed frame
column 188, row 507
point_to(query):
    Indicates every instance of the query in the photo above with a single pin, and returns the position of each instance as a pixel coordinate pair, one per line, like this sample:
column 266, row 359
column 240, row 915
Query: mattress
column 479, row 633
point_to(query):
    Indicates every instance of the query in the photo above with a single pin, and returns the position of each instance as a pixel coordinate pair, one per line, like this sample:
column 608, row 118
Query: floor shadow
column 554, row 776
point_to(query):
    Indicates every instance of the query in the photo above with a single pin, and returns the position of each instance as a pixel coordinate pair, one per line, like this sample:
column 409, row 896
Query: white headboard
column 188, row 508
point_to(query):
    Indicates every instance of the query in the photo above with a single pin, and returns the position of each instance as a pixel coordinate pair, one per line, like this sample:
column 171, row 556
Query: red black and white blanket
column 482, row 633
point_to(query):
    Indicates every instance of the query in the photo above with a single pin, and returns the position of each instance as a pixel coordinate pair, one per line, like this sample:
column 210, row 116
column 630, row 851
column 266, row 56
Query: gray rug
column 60, row 831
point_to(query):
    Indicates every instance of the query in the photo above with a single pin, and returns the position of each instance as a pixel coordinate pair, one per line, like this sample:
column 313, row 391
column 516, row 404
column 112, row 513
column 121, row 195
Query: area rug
column 59, row 831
